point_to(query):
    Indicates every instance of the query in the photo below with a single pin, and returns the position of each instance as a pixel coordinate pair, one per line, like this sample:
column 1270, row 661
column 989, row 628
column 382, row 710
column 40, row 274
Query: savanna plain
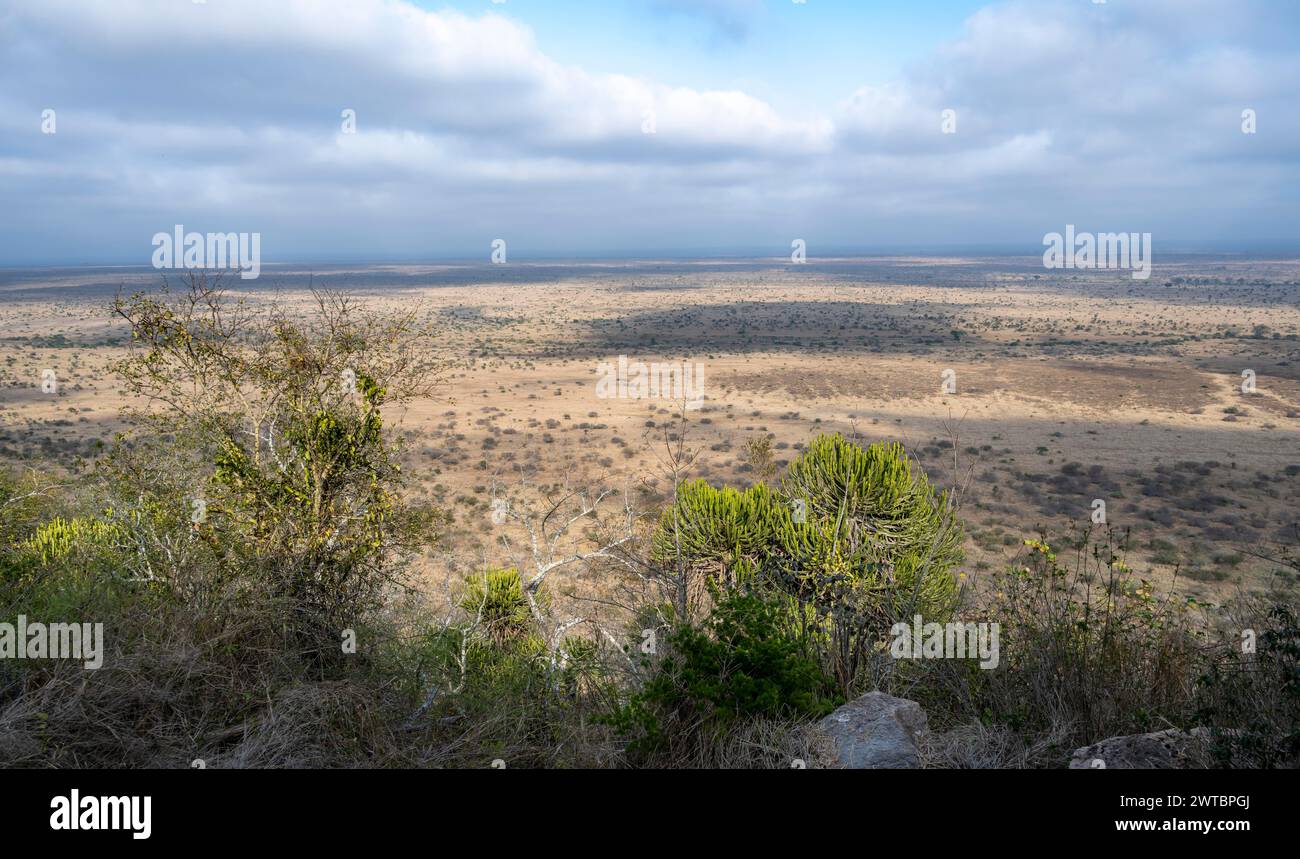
column 1058, row 411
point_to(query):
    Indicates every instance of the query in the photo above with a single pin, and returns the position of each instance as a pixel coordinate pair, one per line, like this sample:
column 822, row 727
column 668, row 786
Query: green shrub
column 855, row 539
column 747, row 660
column 59, row 537
column 495, row 600
column 278, row 422
column 842, row 511
column 1088, row 650
column 1251, row 701
column 481, row 689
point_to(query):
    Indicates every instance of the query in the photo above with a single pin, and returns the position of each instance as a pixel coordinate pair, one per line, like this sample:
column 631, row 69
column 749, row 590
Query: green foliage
column 1251, row 701
column 855, row 538
column 876, row 506
column 722, row 531
column 221, row 625
column 487, row 686
column 870, row 519
column 65, row 567
column 278, row 425
column 60, row 537
column 495, row 601
column 1088, row 650
column 747, row 660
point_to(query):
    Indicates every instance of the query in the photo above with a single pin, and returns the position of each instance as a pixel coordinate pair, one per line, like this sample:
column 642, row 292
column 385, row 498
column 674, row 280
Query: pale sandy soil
column 1069, row 387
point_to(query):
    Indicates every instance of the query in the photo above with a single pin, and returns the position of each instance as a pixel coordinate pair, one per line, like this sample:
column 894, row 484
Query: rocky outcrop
column 1163, row 750
column 876, row 731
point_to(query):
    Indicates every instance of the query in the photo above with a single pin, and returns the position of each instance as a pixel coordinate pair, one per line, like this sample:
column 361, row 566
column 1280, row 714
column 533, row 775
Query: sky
column 642, row 127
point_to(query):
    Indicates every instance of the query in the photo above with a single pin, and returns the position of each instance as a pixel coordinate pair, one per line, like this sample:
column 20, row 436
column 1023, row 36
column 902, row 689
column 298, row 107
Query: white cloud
column 230, row 110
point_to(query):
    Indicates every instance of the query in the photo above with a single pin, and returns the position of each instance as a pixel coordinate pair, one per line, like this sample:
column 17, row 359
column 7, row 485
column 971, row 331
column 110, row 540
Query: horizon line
column 830, row 254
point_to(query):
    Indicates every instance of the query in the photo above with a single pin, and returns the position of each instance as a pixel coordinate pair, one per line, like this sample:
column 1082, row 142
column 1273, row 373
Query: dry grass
column 981, row 747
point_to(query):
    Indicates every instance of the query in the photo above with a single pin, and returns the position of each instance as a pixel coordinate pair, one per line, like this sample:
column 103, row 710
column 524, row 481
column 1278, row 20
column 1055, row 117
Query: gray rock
column 1163, row 750
column 876, row 731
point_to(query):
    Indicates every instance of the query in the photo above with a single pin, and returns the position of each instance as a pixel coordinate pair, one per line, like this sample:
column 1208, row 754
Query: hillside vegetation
column 248, row 549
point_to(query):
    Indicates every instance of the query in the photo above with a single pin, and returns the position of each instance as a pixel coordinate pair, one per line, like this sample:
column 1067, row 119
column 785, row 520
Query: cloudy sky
column 527, row 120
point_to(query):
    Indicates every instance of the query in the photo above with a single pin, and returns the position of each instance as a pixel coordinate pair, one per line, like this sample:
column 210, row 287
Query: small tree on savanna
column 294, row 481
column 759, row 456
column 854, row 538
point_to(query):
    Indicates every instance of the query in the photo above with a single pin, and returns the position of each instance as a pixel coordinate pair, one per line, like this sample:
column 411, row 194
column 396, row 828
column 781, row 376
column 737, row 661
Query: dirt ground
column 1063, row 388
